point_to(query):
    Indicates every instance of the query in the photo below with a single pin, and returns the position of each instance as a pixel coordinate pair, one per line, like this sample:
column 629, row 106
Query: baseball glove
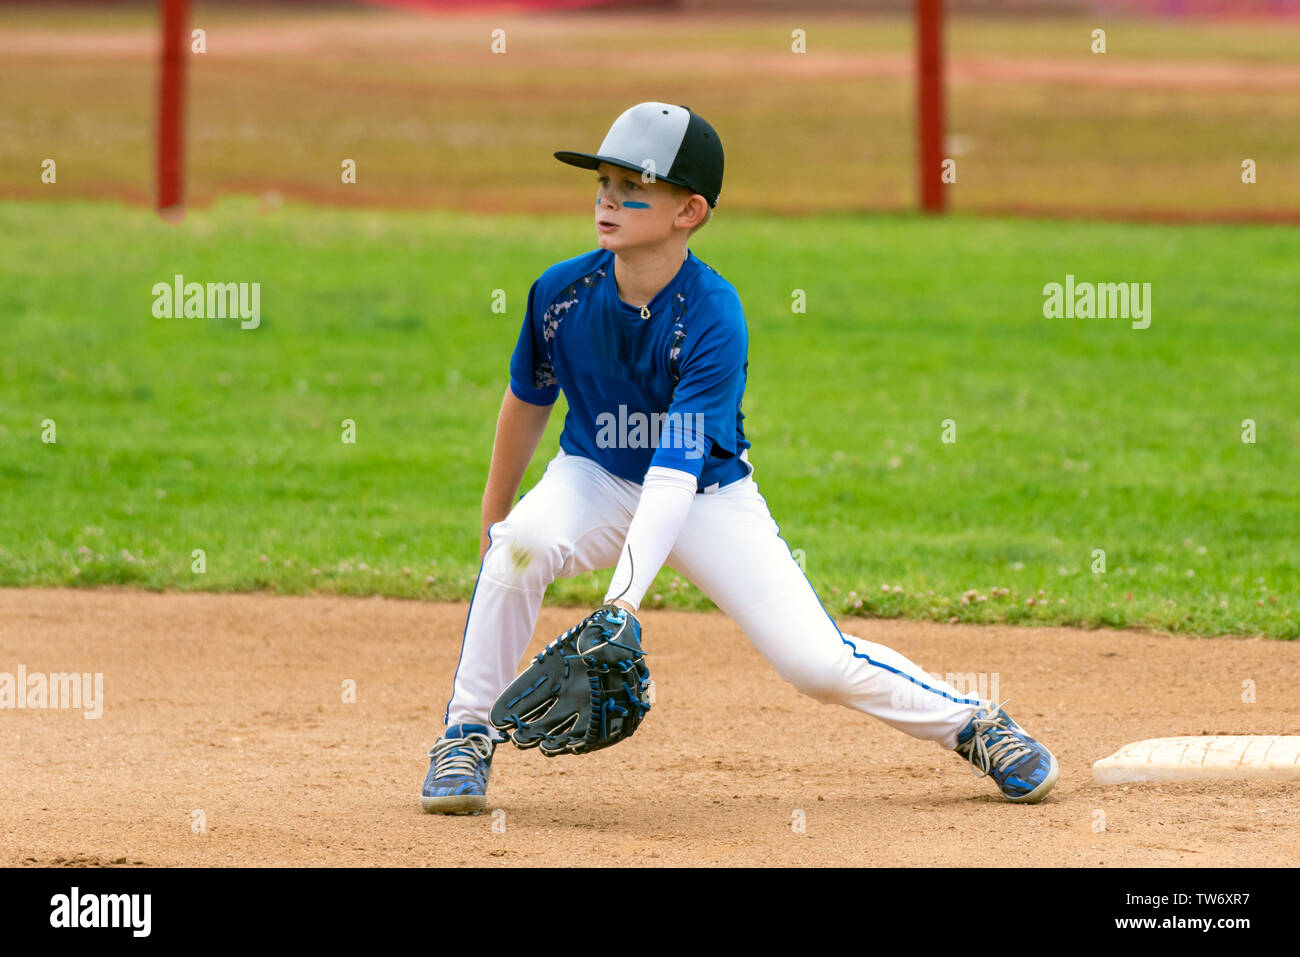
column 588, row 689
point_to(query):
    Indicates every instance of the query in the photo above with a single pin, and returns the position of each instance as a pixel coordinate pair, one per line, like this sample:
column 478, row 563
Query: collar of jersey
column 634, row 312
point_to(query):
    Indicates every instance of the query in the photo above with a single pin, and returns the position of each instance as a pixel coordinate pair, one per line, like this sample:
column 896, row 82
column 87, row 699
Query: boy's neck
column 639, row 277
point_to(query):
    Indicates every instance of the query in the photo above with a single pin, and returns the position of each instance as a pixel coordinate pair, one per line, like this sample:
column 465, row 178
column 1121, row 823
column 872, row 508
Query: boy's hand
column 491, row 515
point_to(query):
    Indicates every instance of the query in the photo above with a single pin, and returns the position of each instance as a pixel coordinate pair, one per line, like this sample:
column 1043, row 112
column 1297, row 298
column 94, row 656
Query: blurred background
column 1037, row 122
column 393, row 302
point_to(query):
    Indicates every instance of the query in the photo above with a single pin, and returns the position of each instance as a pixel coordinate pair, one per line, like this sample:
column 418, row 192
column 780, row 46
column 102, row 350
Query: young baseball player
column 650, row 346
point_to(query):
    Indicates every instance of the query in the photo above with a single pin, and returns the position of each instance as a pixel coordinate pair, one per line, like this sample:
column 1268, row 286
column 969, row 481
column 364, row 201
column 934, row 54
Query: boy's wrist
column 494, row 511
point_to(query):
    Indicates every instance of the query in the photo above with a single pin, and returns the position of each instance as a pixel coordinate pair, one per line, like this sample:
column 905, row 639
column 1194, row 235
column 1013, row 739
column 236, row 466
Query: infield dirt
column 225, row 740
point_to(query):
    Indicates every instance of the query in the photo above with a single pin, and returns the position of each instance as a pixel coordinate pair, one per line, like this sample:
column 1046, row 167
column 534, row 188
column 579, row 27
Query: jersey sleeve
column 532, row 377
column 702, row 418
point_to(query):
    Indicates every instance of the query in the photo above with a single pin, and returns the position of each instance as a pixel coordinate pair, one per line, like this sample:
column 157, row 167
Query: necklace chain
column 645, row 310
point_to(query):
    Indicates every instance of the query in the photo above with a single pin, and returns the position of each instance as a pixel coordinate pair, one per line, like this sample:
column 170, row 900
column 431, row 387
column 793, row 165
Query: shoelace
column 459, row 756
column 1003, row 753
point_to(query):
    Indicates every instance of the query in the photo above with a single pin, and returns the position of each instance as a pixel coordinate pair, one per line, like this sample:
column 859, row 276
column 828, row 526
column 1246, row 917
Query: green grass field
column 1072, row 435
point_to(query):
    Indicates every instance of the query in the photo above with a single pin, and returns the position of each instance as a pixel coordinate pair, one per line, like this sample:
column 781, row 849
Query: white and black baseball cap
column 670, row 142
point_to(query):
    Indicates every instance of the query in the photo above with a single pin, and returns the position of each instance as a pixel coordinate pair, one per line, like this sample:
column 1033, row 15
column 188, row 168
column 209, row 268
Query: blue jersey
column 659, row 391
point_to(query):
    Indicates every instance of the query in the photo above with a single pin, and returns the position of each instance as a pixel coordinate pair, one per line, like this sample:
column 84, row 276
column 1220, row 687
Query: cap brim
column 585, row 160
column 593, row 160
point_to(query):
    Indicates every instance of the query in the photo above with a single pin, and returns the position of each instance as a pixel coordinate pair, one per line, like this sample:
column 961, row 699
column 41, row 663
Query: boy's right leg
column 573, row 521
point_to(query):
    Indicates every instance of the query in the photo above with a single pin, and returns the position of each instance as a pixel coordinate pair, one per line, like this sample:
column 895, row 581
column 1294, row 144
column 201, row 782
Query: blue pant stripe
column 446, row 715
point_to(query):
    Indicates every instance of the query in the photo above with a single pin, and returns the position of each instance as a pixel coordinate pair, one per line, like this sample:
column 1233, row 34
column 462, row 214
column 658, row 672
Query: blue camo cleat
column 1023, row 769
column 458, row 771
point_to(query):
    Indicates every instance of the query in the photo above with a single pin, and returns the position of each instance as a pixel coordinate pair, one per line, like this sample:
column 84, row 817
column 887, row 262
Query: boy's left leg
column 731, row 550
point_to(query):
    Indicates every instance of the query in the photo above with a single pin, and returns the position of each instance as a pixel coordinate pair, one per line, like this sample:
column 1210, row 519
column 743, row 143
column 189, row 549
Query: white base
column 1273, row 757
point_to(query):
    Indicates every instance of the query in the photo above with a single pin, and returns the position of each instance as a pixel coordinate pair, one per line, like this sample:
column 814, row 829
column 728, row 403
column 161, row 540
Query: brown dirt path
column 232, row 705
column 458, row 44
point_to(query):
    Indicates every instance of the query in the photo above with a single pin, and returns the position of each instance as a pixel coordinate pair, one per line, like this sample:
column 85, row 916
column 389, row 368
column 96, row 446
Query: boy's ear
column 686, row 195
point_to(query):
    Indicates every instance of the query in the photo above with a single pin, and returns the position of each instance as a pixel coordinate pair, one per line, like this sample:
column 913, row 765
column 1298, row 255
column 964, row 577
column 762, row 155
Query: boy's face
column 632, row 214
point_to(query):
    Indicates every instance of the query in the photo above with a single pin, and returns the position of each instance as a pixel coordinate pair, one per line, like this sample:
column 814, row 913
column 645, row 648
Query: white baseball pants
column 576, row 519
